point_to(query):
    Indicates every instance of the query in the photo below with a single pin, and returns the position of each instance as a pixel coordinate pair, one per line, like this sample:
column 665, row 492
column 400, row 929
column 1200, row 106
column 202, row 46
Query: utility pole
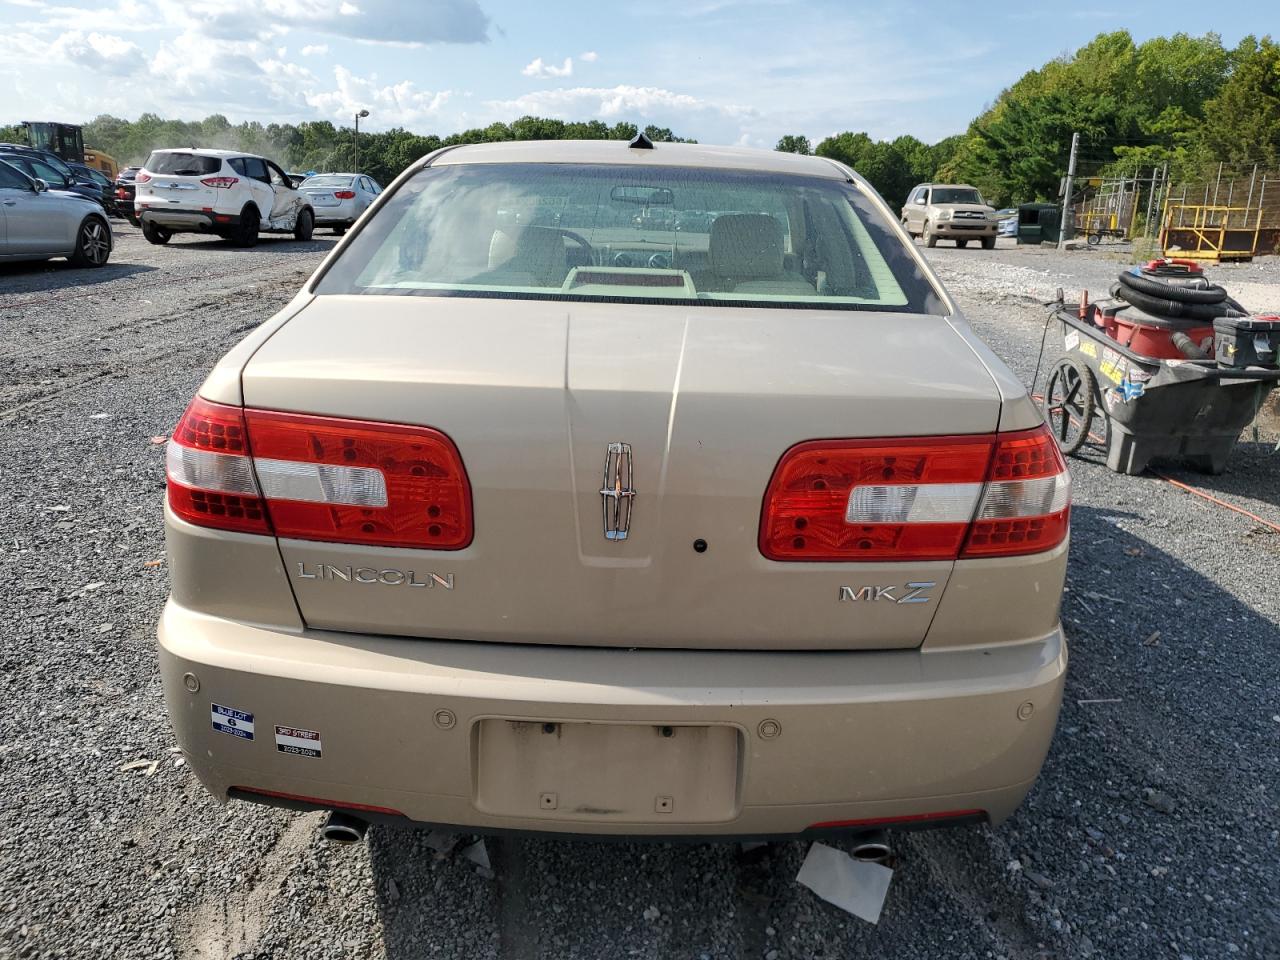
column 1067, row 212
column 362, row 113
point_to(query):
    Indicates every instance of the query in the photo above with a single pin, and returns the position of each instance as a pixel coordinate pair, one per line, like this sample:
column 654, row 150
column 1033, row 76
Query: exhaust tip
column 873, row 848
column 343, row 828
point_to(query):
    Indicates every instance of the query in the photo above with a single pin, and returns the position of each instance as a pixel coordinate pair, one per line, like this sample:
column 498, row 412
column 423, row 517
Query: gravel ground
column 1153, row 831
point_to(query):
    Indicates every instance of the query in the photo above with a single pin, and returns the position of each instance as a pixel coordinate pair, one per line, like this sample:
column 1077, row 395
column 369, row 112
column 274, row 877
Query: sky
column 721, row 71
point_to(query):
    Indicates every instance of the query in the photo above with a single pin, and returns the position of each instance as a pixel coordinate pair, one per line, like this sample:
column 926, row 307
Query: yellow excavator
column 66, row 141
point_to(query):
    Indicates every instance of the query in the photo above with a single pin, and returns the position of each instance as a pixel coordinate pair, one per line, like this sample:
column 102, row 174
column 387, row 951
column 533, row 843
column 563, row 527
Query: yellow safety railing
column 1216, row 232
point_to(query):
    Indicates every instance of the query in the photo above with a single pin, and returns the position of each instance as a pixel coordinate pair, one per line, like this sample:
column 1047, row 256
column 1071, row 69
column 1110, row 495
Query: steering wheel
column 581, row 241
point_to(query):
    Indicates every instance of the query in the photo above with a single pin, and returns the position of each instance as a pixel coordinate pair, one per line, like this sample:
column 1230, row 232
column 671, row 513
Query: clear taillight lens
column 142, row 177
column 933, row 498
column 220, row 183
column 318, row 478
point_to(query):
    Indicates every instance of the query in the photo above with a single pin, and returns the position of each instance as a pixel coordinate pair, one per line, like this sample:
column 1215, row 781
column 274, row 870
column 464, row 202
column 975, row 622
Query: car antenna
column 640, row 142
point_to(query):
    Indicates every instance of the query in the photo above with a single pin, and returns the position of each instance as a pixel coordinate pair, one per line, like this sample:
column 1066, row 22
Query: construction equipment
column 66, row 140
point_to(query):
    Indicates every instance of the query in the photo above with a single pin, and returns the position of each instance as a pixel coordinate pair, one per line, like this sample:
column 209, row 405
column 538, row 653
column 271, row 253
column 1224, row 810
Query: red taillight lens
column 345, row 194
column 142, row 178
column 932, row 498
column 319, row 478
column 210, row 476
column 220, row 183
column 120, row 193
column 1026, row 506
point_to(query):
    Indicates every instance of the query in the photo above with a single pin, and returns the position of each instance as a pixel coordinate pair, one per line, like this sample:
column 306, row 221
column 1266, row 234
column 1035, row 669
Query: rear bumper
column 757, row 743
column 188, row 220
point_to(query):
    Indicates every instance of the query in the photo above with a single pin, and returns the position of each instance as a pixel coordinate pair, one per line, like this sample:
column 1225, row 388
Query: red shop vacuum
column 1170, row 366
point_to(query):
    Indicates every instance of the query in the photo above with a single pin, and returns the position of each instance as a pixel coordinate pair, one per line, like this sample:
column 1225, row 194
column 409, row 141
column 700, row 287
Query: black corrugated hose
column 1194, row 300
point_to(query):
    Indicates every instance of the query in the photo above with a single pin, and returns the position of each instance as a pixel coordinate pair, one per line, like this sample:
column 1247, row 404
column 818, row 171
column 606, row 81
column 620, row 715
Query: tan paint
column 787, row 706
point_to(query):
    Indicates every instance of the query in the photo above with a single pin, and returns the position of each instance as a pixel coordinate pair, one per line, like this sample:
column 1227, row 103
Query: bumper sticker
column 298, row 742
column 235, row 722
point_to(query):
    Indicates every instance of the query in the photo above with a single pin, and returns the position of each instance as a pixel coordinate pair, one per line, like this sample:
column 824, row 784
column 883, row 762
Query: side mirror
column 41, row 185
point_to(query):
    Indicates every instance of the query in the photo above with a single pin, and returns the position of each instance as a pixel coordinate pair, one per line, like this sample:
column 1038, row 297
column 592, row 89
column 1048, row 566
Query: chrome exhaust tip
column 343, row 828
column 872, row 848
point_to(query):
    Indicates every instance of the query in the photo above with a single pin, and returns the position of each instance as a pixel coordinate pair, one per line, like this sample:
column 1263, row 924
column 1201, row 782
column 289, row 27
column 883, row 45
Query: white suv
column 231, row 194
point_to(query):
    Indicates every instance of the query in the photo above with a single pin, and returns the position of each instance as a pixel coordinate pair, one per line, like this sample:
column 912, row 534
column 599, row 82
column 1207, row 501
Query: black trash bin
column 1038, row 223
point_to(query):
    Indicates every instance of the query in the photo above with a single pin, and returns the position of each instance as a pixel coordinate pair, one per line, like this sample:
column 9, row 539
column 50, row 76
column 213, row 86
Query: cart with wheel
column 1139, row 406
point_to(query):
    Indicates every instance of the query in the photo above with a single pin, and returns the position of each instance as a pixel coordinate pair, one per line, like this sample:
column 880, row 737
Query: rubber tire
column 1088, row 386
column 927, row 236
column 988, row 243
column 82, row 257
column 304, row 226
column 339, row 231
column 961, row 244
column 156, row 235
column 250, row 223
column 1094, row 239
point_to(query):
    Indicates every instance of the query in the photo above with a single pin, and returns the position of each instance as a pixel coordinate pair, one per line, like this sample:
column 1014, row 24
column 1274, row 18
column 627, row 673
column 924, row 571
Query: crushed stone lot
column 1152, row 832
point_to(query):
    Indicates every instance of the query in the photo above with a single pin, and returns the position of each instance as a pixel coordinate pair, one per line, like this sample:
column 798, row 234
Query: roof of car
column 662, row 155
column 961, row 186
column 207, row 153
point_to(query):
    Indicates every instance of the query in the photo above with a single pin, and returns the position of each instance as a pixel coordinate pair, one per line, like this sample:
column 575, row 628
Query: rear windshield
column 629, row 233
column 327, row 182
column 183, row 164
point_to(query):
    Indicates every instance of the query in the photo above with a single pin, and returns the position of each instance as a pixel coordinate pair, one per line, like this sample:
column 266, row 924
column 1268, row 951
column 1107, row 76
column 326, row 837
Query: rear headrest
column 536, row 250
column 746, row 246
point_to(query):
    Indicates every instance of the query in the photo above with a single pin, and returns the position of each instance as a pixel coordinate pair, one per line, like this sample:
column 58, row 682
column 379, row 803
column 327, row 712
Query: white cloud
column 315, row 50
column 100, row 52
column 369, row 21
column 546, row 71
column 399, row 104
column 606, row 102
column 589, row 57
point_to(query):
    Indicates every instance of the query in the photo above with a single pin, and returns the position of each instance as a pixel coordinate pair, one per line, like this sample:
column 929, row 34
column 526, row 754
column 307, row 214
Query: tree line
column 1185, row 101
column 321, row 146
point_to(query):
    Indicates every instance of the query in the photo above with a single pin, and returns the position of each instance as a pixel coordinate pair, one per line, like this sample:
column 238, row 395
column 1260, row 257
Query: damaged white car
column 230, row 194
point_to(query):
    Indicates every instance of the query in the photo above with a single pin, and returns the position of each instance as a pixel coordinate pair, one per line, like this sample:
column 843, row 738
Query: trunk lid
column 534, row 393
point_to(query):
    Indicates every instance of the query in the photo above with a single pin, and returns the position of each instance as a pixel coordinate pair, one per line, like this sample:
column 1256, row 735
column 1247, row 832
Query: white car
column 37, row 223
column 339, row 198
column 234, row 195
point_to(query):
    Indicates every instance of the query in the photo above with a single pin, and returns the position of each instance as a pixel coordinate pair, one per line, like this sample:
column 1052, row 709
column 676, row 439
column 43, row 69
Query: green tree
column 1242, row 122
column 794, row 143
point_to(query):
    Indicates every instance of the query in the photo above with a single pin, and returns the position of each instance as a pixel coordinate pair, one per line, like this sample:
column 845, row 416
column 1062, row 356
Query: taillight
column 120, row 193
column 210, row 474
column 142, row 177
column 1026, row 505
column 913, row 498
column 344, row 194
column 318, row 478
column 220, row 183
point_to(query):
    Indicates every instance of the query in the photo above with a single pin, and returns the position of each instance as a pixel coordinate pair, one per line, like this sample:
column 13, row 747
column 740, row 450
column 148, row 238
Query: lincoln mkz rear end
column 522, row 517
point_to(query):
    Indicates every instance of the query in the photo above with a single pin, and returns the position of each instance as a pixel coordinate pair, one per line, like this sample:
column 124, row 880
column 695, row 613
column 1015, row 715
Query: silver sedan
column 37, row 223
column 339, row 198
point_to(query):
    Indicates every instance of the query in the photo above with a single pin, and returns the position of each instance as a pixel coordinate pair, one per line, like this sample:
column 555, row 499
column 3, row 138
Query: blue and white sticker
column 235, row 722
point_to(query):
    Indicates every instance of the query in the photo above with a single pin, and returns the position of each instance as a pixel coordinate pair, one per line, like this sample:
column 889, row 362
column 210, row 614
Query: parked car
column 104, row 184
column 1007, row 222
column 37, row 223
column 445, row 549
column 234, row 195
column 944, row 211
column 124, row 193
column 42, row 165
column 339, row 198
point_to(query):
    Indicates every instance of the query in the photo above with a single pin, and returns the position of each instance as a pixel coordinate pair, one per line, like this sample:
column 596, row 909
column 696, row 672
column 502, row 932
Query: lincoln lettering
column 389, row 577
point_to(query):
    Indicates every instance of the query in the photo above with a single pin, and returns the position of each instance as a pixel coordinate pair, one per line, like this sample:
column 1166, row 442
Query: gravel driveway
column 1153, row 831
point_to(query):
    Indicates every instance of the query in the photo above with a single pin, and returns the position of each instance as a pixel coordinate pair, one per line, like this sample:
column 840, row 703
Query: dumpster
column 1038, row 223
